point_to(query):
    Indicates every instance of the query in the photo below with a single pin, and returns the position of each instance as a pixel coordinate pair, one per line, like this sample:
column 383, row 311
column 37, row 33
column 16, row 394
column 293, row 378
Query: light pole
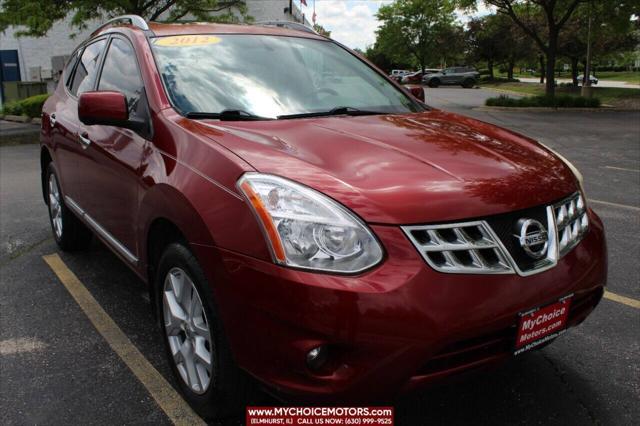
column 587, row 90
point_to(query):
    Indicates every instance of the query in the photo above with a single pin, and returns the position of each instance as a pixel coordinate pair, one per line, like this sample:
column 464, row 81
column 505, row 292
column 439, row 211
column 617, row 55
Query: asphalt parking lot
column 56, row 368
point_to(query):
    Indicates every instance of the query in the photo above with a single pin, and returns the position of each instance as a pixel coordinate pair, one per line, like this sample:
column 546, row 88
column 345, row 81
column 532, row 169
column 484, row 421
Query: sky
column 353, row 22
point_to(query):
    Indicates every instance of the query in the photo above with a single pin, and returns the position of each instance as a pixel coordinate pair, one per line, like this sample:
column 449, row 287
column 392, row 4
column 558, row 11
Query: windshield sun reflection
column 271, row 76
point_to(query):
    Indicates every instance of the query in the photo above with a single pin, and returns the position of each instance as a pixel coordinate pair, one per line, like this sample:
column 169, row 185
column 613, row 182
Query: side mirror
column 416, row 90
column 107, row 108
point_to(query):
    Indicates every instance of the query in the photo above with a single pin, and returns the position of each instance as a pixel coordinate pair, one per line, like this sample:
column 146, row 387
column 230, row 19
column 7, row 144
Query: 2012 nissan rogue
column 300, row 217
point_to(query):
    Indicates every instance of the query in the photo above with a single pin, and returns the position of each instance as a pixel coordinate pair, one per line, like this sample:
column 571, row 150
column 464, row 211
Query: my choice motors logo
column 537, row 326
column 540, row 319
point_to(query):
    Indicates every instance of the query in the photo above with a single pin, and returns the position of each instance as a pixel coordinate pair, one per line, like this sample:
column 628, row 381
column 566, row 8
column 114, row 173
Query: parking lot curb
column 550, row 109
column 507, row 92
column 17, row 118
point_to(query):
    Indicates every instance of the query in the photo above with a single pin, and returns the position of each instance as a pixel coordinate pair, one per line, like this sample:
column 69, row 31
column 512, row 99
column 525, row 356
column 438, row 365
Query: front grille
column 495, row 244
column 504, row 226
column 460, row 248
column 572, row 222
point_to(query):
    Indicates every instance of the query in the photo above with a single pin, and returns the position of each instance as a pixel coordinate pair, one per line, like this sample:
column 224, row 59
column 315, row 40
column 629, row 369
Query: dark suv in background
column 463, row 76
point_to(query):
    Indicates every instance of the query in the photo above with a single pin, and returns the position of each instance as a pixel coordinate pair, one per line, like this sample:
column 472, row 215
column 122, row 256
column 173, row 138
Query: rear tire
column 468, row 83
column 219, row 388
column 68, row 231
column 434, row 82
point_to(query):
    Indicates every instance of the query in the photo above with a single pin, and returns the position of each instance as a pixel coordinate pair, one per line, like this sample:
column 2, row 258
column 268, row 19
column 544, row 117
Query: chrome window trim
column 117, row 245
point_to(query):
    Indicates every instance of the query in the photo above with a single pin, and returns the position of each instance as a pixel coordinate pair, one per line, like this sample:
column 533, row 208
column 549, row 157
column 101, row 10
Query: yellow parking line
column 622, row 299
column 165, row 396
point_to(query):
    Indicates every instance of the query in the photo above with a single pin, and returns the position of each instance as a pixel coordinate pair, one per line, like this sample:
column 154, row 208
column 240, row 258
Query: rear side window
column 67, row 74
column 85, row 74
column 120, row 73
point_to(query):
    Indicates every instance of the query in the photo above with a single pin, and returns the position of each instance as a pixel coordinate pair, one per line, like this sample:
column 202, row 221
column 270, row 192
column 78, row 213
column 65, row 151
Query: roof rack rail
column 288, row 25
column 134, row 20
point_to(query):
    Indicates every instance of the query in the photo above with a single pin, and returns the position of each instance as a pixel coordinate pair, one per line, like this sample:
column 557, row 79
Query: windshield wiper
column 227, row 115
column 341, row 110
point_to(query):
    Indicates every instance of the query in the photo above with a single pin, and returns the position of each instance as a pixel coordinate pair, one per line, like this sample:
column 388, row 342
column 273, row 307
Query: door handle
column 84, row 140
column 52, row 119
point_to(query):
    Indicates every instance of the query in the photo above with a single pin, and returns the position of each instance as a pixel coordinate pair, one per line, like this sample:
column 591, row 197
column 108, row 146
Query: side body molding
column 97, row 228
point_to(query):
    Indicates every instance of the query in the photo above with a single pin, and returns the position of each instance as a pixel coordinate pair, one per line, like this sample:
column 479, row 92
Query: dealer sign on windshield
column 542, row 324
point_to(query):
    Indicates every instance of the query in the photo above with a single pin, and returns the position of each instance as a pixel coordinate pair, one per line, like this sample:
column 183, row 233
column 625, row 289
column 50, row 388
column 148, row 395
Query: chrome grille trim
column 572, row 222
column 567, row 223
column 460, row 248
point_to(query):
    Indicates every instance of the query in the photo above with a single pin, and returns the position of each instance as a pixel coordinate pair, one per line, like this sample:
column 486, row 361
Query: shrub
column 564, row 101
column 488, row 79
column 11, row 108
column 31, row 107
column 611, row 68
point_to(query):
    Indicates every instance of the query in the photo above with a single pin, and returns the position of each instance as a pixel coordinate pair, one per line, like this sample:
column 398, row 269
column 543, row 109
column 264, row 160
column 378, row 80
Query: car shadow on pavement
column 530, row 389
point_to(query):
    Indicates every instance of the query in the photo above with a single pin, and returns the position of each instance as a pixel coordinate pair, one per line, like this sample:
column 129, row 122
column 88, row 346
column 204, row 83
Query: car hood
column 403, row 169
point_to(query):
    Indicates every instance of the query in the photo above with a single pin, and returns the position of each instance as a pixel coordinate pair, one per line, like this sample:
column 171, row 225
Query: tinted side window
column 85, row 74
column 120, row 73
column 68, row 70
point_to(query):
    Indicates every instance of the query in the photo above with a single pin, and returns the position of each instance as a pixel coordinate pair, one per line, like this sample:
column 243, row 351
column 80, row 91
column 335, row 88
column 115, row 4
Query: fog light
column 317, row 357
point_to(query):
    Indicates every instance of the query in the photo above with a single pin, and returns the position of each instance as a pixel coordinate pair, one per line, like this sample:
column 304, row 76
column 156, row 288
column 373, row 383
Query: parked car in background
column 416, row 77
column 463, row 76
column 593, row 79
column 398, row 74
column 326, row 233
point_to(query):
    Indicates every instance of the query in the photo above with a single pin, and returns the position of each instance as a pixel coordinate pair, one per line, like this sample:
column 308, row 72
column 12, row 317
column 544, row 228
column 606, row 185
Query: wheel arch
column 45, row 159
column 167, row 216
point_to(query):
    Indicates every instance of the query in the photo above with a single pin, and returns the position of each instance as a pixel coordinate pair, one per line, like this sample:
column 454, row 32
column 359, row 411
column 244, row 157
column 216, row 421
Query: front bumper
column 390, row 329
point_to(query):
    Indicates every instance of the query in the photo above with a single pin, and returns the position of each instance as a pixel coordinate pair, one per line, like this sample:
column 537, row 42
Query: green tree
column 484, row 42
column 416, row 28
column 496, row 39
column 542, row 20
column 321, row 30
column 36, row 17
column 612, row 31
column 385, row 62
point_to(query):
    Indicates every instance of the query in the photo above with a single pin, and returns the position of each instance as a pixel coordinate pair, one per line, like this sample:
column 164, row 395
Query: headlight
column 306, row 229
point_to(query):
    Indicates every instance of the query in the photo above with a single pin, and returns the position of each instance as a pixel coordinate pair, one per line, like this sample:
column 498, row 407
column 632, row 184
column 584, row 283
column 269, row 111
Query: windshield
column 270, row 76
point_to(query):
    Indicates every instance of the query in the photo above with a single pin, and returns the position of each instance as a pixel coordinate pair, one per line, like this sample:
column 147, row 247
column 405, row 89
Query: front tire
column 196, row 346
column 434, row 82
column 68, row 231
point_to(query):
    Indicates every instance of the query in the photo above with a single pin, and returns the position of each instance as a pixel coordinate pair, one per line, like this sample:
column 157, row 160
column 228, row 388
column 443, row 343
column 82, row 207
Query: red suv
column 300, row 217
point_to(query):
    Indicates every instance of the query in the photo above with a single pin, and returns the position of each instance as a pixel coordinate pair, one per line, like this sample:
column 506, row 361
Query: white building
column 40, row 59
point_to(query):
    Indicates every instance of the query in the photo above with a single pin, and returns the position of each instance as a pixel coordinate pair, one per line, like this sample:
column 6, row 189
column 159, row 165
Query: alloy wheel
column 187, row 330
column 55, row 205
